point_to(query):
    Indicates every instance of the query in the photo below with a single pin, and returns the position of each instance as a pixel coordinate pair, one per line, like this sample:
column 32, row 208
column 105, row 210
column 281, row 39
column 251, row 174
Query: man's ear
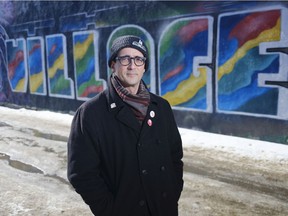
column 112, row 66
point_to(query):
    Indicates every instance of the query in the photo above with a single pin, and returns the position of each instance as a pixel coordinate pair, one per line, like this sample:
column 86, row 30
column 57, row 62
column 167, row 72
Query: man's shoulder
column 97, row 102
column 158, row 99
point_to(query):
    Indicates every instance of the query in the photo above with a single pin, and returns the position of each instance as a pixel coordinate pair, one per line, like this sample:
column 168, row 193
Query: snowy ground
column 224, row 175
column 235, row 145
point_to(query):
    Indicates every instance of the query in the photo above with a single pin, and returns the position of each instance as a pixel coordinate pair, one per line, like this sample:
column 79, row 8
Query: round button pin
column 149, row 122
column 152, row 114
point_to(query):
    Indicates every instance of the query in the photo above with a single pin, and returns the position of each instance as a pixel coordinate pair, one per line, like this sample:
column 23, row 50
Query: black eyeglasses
column 126, row 60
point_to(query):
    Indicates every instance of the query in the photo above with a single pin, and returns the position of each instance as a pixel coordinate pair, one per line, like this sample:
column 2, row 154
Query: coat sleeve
column 176, row 151
column 84, row 166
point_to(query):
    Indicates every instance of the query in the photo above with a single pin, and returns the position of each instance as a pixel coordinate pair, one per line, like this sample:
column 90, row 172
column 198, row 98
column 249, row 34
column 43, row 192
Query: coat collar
column 122, row 112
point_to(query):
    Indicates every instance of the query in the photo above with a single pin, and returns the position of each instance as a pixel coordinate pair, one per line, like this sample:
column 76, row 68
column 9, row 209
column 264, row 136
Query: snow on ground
column 236, row 145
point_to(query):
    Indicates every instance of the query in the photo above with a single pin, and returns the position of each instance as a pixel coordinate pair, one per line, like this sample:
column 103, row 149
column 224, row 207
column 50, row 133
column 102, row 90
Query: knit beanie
column 128, row 41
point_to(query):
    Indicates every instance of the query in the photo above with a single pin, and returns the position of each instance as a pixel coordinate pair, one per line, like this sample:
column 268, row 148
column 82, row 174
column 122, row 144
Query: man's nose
column 132, row 63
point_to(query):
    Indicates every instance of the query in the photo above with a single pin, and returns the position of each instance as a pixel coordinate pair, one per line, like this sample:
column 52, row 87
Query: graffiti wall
column 222, row 65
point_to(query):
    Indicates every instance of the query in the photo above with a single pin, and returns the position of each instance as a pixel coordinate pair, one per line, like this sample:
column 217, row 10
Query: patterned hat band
column 128, row 41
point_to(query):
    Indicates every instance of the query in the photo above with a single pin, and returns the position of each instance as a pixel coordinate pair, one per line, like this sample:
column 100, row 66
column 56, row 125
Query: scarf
column 138, row 102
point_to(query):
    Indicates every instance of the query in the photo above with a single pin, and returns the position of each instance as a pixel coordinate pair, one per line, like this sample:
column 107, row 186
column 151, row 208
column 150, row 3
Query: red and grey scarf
column 138, row 103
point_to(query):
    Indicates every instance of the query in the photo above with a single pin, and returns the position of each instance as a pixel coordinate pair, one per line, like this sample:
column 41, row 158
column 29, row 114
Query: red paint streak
column 19, row 57
column 187, row 32
column 35, row 47
column 52, row 50
column 253, row 25
column 172, row 73
column 92, row 89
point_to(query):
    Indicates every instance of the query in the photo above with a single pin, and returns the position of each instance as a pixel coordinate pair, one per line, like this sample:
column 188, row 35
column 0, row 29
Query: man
column 124, row 150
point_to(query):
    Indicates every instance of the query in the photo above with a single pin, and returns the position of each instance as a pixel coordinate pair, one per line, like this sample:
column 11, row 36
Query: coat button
column 142, row 203
column 162, row 168
column 139, row 144
column 164, row 194
column 144, row 172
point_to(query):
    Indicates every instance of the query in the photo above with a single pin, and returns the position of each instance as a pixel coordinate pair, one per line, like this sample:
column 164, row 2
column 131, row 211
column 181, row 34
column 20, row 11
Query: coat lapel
column 126, row 116
column 122, row 112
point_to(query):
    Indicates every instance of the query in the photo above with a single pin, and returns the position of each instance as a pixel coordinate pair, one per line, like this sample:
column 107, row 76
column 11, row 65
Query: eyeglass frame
column 119, row 58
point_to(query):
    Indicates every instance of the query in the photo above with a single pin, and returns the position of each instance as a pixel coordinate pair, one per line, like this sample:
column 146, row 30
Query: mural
column 36, row 65
column 221, row 65
column 17, row 65
column 185, row 44
column 241, row 64
column 88, row 82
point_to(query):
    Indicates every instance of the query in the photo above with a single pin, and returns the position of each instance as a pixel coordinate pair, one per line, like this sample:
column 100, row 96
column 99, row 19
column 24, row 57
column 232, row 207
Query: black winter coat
column 120, row 168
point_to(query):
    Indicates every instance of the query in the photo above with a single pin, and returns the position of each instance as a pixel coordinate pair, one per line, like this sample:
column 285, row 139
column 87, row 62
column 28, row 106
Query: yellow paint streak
column 21, row 85
column 36, row 80
column 82, row 48
column 266, row 36
column 187, row 89
column 59, row 64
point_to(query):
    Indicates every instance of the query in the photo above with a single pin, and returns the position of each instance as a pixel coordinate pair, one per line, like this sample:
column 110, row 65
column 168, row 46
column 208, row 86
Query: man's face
column 130, row 75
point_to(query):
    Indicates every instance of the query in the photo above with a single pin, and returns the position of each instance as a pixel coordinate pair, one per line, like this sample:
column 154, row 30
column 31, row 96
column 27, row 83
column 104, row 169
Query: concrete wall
column 223, row 66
